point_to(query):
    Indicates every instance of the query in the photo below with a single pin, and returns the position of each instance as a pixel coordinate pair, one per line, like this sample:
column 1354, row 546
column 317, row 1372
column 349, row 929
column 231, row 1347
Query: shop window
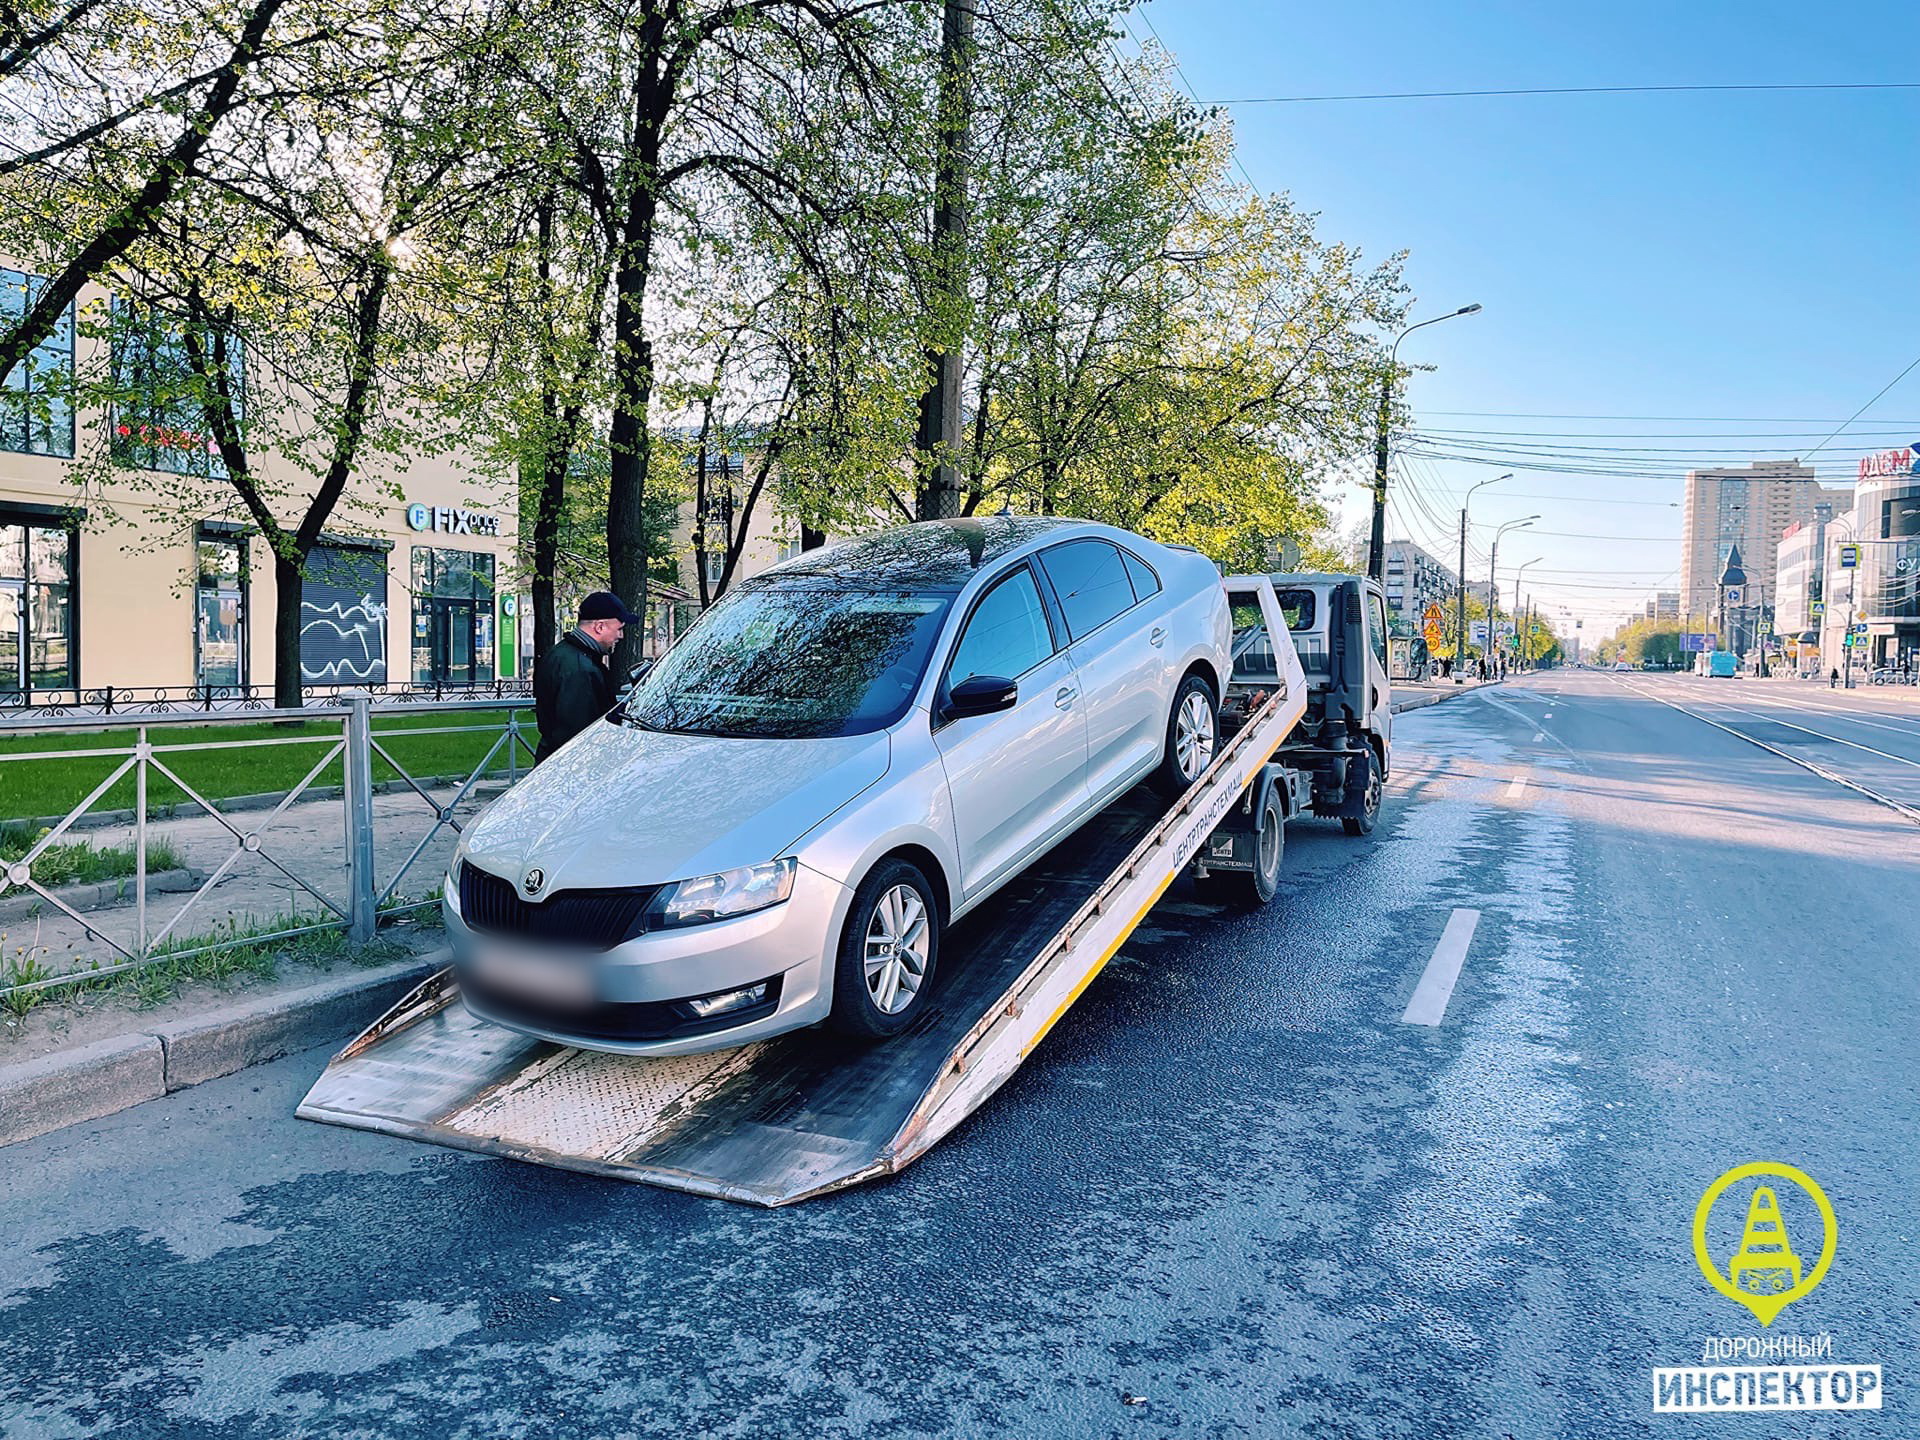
column 160, row 412
column 453, row 610
column 220, row 610
column 36, row 606
column 36, row 411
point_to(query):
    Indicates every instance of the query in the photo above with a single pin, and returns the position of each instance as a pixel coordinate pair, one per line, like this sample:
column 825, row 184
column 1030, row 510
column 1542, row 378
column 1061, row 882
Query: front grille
column 593, row 919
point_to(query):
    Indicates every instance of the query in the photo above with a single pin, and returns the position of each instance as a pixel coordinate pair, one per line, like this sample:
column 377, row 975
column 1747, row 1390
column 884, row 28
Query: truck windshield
column 794, row 662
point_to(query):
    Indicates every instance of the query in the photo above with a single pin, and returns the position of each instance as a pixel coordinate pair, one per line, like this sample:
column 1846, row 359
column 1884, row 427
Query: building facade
column 156, row 577
column 1749, row 506
column 1663, row 605
column 1414, row 579
column 1873, row 567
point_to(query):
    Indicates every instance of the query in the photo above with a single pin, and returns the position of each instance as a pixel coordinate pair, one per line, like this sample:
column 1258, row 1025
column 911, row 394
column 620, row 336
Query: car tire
column 1251, row 889
column 1363, row 823
column 878, row 991
column 1193, row 737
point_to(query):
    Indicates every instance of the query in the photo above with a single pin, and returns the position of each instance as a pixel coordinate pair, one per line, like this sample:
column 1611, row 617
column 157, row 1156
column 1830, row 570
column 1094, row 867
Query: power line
column 1767, row 87
column 1674, row 419
column 1868, row 406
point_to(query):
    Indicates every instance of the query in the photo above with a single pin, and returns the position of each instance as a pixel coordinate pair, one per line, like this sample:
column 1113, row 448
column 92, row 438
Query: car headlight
column 723, row 896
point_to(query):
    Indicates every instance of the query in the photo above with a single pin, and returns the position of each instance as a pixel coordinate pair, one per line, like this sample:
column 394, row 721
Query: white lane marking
column 1549, row 715
column 1538, row 736
column 1430, row 996
column 1518, row 787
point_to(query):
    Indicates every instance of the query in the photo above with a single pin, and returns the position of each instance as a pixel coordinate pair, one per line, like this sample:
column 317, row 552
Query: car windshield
column 793, row 662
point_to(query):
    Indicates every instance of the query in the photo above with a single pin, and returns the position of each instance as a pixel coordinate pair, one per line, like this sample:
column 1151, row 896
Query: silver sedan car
column 846, row 754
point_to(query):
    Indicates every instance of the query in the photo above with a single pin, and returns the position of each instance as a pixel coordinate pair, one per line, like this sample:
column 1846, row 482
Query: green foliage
column 79, row 862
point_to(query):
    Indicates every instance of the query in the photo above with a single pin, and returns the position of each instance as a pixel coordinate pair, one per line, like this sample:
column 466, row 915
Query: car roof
column 939, row 555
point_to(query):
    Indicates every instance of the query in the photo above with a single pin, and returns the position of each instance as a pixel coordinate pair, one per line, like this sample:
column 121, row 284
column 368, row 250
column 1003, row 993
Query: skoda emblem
column 536, row 877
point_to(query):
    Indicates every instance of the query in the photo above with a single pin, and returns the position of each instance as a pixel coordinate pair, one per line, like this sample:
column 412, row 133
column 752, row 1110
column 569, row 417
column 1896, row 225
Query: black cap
column 605, row 605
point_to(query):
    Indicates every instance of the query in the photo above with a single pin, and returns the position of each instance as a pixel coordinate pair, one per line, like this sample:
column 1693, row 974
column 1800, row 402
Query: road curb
column 1420, row 702
column 66, row 1088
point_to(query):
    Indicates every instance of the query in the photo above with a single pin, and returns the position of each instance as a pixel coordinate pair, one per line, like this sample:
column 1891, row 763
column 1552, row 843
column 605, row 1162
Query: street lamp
column 1460, row 603
column 1526, row 653
column 1377, row 540
column 1493, row 584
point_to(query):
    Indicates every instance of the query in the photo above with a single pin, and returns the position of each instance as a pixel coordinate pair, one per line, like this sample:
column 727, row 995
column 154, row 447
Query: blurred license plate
column 532, row 975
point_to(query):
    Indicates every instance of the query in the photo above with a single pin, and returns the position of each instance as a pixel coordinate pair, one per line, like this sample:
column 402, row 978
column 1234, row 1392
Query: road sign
column 1433, row 633
column 1817, row 607
column 1859, row 627
column 1433, row 615
column 1694, row 644
column 1849, row 557
column 1766, row 627
column 1733, row 596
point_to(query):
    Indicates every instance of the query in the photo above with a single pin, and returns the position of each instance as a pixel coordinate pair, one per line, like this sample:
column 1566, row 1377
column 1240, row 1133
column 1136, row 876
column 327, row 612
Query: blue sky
column 1733, row 255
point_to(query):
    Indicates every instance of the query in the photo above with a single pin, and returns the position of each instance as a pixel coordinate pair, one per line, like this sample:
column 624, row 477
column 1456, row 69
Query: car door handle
column 1063, row 697
column 1158, row 636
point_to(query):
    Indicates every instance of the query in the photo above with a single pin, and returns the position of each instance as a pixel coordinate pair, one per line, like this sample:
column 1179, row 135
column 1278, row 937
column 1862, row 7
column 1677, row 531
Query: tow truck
column 804, row 1114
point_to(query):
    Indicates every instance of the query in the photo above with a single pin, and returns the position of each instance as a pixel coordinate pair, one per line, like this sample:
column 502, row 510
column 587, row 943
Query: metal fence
column 355, row 902
column 93, row 700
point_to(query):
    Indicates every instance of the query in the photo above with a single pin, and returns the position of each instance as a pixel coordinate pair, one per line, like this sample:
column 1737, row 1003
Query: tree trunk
column 627, row 472
column 289, row 585
column 938, row 494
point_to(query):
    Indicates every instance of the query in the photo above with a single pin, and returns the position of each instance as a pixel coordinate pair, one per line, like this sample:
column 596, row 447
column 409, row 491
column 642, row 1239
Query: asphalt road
column 1233, row 1183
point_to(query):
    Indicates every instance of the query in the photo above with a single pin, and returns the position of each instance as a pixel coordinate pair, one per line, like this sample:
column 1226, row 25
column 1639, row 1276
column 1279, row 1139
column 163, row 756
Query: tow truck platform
column 803, row 1114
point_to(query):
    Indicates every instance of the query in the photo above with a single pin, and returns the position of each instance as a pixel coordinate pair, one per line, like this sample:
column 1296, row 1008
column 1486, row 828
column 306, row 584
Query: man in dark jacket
column 572, row 686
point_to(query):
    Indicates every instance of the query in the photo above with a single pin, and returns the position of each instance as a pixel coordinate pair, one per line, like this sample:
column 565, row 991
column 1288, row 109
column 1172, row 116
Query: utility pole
column 1377, row 535
column 1460, row 640
column 938, row 440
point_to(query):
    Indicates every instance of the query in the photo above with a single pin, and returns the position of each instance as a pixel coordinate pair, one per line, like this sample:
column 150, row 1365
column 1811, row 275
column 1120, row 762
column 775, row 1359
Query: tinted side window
column 1091, row 582
column 1145, row 582
column 1377, row 628
column 1007, row 633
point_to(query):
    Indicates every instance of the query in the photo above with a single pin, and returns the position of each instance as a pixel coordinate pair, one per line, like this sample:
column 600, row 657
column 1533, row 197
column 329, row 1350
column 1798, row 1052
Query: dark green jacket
column 572, row 688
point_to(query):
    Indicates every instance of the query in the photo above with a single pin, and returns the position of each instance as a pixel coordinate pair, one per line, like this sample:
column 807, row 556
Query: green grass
column 79, row 862
column 40, row 788
column 238, row 950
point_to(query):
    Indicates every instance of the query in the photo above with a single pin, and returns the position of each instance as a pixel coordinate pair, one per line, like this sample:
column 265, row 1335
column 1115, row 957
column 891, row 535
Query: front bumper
column 635, row 985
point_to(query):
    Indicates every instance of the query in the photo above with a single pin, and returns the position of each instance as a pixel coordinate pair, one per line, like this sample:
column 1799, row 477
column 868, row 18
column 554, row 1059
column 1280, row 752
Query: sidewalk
column 1416, row 695
column 262, row 888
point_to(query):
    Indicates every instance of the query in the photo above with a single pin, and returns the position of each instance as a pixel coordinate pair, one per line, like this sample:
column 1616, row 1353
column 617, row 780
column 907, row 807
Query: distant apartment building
column 1414, row 580
column 1749, row 506
column 1663, row 605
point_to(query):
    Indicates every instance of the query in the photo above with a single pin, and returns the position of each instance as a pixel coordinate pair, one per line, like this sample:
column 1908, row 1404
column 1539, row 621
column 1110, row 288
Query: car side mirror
column 637, row 673
column 980, row 695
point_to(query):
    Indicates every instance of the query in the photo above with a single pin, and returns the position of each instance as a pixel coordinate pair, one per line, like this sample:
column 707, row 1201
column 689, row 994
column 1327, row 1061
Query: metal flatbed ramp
column 794, row 1117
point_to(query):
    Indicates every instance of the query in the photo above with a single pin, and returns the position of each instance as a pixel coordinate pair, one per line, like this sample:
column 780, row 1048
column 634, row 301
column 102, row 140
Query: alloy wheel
column 1193, row 736
column 896, row 956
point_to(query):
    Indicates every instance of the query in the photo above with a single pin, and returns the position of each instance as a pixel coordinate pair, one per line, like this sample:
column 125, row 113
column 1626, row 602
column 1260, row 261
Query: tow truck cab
column 1338, row 625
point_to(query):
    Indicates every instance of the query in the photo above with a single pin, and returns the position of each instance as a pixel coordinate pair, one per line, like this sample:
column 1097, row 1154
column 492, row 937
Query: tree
column 131, row 141
column 295, row 324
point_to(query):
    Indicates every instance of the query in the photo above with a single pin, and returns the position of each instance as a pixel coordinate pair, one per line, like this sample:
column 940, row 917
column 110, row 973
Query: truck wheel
column 1193, row 734
column 1251, row 889
column 1362, row 824
column 884, row 969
